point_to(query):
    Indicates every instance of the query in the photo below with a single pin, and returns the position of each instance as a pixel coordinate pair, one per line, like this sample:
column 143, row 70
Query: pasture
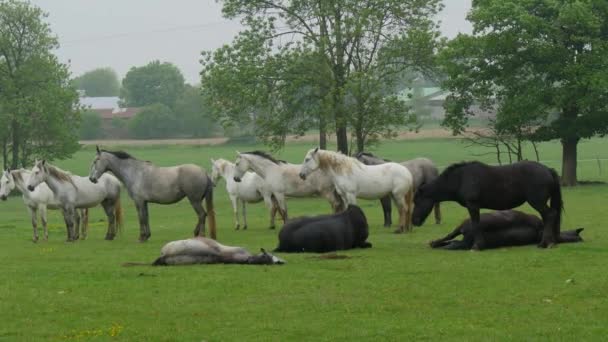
column 398, row 290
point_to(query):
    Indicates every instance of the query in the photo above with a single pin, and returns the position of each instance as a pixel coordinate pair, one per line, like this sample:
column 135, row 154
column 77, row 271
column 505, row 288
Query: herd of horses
column 415, row 187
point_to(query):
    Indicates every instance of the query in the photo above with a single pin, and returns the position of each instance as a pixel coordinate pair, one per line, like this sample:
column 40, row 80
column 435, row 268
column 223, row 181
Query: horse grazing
column 325, row 233
column 251, row 189
column 75, row 192
column 148, row 183
column 502, row 229
column 37, row 201
column 283, row 181
column 354, row 179
column 423, row 170
column 475, row 185
column 200, row 250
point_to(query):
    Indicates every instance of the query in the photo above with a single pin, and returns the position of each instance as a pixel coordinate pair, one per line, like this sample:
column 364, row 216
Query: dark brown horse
column 475, row 185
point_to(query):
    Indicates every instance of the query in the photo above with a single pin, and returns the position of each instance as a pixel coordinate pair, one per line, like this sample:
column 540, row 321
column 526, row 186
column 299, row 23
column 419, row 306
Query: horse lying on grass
column 502, row 229
column 201, row 250
column 325, row 233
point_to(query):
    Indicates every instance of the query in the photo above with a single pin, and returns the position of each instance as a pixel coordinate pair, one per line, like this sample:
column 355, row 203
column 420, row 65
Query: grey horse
column 148, row 183
column 422, row 169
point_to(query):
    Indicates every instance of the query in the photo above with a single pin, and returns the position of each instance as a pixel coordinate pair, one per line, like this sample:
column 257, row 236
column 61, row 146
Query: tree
column 98, row 82
column 155, row 121
column 536, row 63
column 153, row 83
column 39, row 106
column 90, row 126
column 192, row 114
column 345, row 36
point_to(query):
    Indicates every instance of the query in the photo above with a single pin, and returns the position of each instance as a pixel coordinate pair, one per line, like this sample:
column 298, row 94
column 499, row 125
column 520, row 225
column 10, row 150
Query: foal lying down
column 325, row 233
column 502, row 229
column 201, row 250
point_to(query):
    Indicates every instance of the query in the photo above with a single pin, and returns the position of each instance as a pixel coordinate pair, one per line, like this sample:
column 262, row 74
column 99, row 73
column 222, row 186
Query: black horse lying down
column 325, row 233
column 503, row 228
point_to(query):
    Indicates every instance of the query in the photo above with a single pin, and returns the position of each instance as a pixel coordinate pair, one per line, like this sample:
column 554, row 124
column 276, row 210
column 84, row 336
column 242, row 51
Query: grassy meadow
column 398, row 290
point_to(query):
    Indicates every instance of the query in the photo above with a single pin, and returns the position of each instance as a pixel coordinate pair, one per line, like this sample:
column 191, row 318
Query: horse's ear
column 237, row 152
column 212, row 161
column 579, row 230
column 97, row 148
column 316, row 150
column 43, row 162
column 263, row 250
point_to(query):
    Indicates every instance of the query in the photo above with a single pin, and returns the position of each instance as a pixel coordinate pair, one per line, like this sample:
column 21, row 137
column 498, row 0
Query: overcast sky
column 125, row 33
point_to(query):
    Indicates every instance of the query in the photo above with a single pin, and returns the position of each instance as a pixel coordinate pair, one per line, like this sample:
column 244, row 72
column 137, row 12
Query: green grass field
column 398, row 290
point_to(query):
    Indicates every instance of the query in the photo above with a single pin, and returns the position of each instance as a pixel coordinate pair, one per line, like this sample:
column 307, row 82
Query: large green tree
column 153, row 83
column 98, row 82
column 541, row 63
column 339, row 38
column 193, row 117
column 39, row 106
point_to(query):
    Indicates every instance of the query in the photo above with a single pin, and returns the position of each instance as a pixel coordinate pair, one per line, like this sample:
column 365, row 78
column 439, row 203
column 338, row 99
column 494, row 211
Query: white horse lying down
column 201, row 250
column 251, row 189
column 39, row 200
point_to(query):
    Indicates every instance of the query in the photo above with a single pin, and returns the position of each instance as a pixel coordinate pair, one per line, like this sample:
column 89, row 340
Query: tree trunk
column 5, row 153
column 569, row 146
column 16, row 135
column 322, row 132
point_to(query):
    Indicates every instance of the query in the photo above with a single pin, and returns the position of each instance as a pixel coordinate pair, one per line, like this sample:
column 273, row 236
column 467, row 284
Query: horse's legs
column 548, row 239
column 386, row 209
column 68, row 216
column 437, row 213
column 142, row 213
column 34, row 215
column 199, row 230
column 478, row 240
column 42, row 210
column 446, row 239
column 76, row 224
column 244, row 214
column 402, row 208
column 85, row 223
column 272, row 207
column 108, row 207
column 280, row 198
column 235, row 210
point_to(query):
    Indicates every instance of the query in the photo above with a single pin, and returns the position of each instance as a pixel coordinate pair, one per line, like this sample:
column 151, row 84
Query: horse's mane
column 265, row 155
column 456, row 166
column 17, row 174
column 59, row 174
column 119, row 154
column 337, row 162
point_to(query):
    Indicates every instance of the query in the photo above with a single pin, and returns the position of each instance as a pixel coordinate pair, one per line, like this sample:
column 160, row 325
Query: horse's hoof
column 434, row 244
column 398, row 231
column 245, row 227
column 109, row 238
column 35, row 240
column 387, row 225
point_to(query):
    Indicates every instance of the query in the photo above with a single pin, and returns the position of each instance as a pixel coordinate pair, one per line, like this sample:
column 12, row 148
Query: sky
column 124, row 33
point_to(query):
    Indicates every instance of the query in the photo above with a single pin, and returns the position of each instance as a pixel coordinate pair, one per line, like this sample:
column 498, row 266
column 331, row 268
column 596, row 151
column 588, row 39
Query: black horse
column 325, row 233
column 475, row 185
column 501, row 229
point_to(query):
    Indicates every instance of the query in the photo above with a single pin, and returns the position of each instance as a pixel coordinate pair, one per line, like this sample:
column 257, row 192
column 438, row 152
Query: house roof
column 100, row 102
column 121, row 113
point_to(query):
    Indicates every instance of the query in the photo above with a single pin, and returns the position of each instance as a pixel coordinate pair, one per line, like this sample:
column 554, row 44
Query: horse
column 423, row 170
column 354, row 179
column 325, row 233
column 75, row 192
column 37, row 201
column 283, row 181
column 502, row 229
column 251, row 189
column 148, row 183
column 201, row 250
column 475, row 185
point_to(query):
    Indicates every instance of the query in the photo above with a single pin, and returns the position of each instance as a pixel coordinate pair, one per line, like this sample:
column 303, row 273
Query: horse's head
column 99, row 165
column 311, row 163
column 265, row 258
column 216, row 170
column 241, row 166
column 368, row 158
column 38, row 175
column 423, row 205
column 7, row 184
column 571, row 235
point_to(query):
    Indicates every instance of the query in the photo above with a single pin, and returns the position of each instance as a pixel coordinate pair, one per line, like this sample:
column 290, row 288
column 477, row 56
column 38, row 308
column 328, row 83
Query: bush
column 90, row 125
column 156, row 121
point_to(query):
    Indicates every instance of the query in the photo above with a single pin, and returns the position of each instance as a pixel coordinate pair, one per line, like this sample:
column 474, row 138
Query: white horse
column 78, row 192
column 354, row 179
column 37, row 201
column 282, row 180
column 251, row 189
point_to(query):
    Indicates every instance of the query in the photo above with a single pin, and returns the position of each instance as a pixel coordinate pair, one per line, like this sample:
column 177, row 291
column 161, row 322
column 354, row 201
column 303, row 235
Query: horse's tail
column 556, row 197
column 118, row 214
column 210, row 210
